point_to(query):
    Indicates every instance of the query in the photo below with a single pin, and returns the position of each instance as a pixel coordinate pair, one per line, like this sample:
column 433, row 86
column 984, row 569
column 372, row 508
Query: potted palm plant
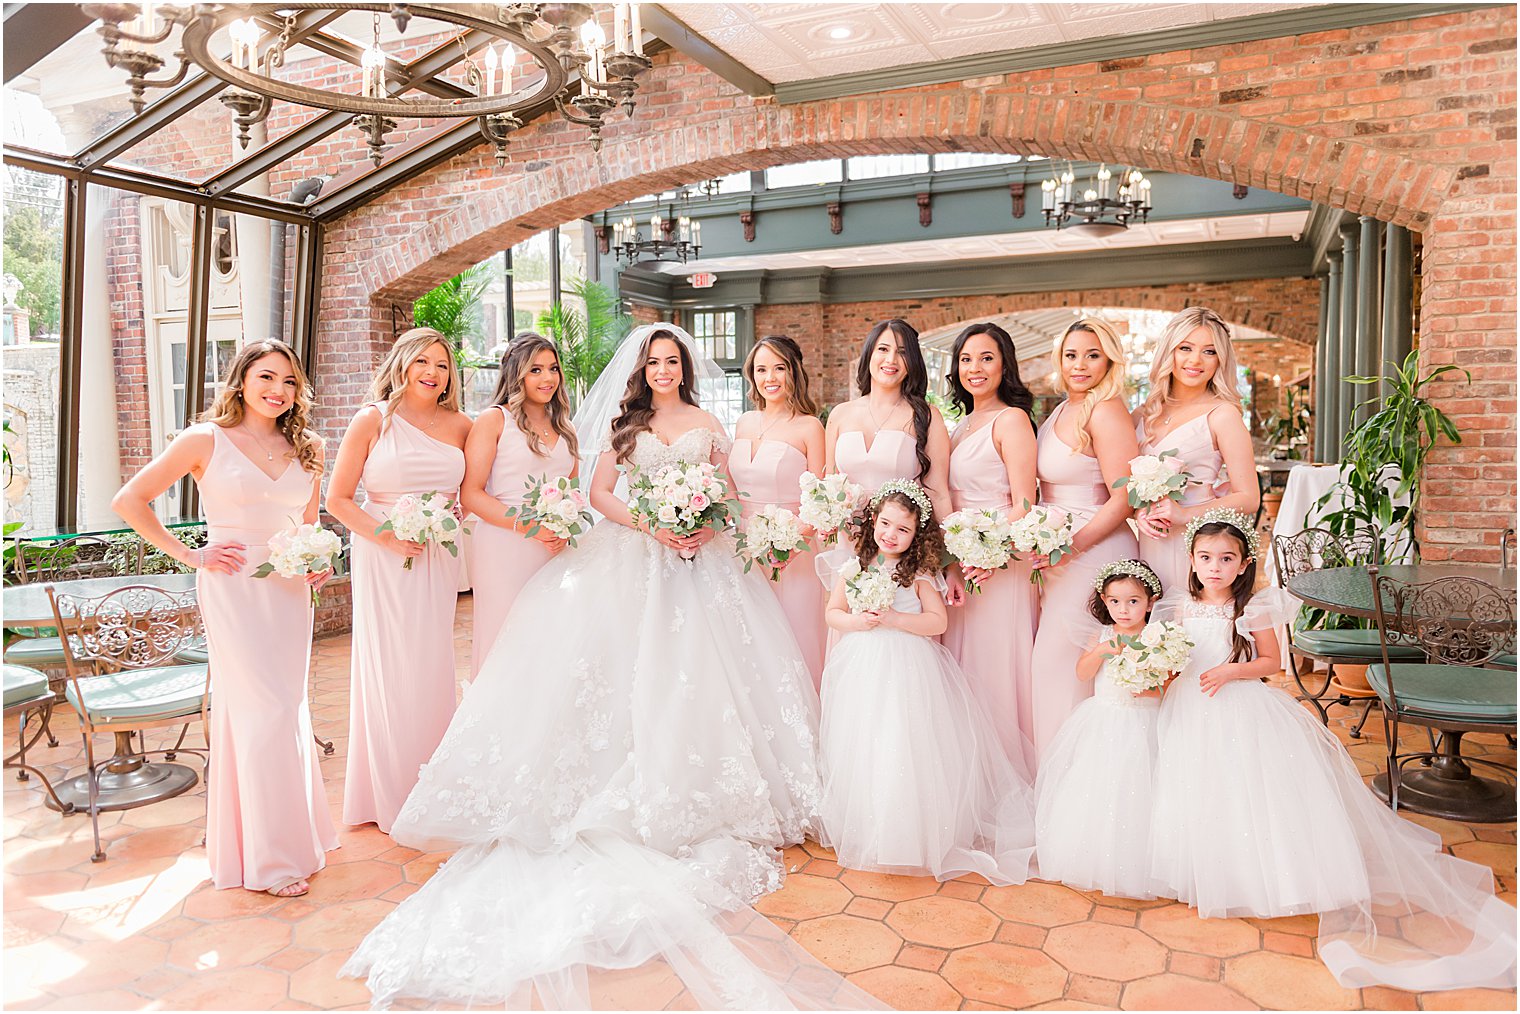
column 587, row 328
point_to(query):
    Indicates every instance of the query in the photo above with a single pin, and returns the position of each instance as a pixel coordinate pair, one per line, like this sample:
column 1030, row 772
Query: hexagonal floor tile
column 1105, row 951
column 847, row 943
column 317, row 983
column 237, row 988
column 1287, row 982
column 907, row 988
column 805, row 897
column 1181, row 929
column 940, row 921
column 1004, row 975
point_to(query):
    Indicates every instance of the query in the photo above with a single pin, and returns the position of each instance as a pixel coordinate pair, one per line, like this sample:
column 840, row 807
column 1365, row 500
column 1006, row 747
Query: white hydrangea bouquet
column 424, row 518
column 1148, row 660
column 867, row 589
column 299, row 551
column 979, row 537
column 1044, row 531
column 827, row 503
column 556, row 505
column 1153, row 478
column 681, row 498
column 769, row 538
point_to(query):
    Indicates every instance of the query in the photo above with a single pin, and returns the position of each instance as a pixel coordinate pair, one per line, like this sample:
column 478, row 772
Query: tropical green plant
column 454, row 310
column 1289, row 428
column 122, row 554
column 587, row 330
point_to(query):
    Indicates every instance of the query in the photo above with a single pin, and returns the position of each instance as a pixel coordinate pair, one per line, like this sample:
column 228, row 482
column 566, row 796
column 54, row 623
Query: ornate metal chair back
column 135, row 627
column 1458, row 621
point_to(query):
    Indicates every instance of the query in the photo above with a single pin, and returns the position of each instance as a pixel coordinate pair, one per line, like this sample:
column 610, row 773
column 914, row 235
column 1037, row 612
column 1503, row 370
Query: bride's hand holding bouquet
column 681, row 505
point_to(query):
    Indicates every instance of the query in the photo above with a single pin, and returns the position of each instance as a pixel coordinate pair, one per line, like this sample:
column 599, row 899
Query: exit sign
column 702, row 280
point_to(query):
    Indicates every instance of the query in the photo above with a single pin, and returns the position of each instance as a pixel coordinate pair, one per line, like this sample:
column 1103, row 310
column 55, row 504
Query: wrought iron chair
column 80, row 556
column 27, row 695
column 123, row 677
column 1458, row 624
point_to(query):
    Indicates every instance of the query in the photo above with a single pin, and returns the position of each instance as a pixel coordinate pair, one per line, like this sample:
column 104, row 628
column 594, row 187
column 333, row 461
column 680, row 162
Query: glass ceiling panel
column 69, row 97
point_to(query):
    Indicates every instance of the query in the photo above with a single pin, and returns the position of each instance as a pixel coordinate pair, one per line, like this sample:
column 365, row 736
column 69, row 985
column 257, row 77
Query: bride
column 620, row 777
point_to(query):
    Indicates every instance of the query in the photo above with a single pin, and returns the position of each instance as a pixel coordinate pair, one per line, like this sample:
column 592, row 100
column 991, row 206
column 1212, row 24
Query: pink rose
column 550, row 494
column 406, row 503
column 700, row 502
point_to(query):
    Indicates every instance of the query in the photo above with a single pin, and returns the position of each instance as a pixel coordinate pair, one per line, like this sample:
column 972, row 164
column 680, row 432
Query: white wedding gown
column 619, row 780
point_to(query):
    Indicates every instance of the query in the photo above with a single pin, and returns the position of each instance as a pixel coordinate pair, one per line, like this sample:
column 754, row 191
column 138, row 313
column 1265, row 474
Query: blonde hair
column 1112, row 384
column 294, row 423
column 511, row 392
column 1222, row 385
column 390, row 379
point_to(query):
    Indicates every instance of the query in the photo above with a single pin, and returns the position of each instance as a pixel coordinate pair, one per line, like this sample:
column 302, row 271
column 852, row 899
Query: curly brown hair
column 923, row 554
column 637, row 407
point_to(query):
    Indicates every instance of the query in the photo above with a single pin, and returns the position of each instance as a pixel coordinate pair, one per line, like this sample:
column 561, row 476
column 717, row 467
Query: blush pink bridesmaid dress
column 766, row 472
column 892, row 455
column 402, row 671
column 992, row 634
column 1072, row 481
column 267, row 818
column 501, row 561
column 1194, row 443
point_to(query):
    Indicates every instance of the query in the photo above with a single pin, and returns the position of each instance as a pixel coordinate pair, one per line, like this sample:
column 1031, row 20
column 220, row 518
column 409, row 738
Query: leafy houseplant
column 453, row 309
column 1289, row 429
column 586, row 338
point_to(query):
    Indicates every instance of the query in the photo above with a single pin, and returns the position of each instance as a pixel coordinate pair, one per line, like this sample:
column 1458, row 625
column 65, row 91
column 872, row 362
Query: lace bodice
column 696, row 444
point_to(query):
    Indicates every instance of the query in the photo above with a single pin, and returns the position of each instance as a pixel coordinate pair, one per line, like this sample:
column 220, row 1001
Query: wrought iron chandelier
column 1096, row 212
column 672, row 237
column 568, row 62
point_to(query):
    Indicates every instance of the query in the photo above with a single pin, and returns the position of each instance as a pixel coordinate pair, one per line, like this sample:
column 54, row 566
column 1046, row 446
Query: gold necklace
column 268, row 454
column 872, row 414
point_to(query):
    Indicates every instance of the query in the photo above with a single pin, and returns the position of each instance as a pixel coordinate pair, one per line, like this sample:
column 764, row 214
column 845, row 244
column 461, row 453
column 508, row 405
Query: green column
column 1349, row 394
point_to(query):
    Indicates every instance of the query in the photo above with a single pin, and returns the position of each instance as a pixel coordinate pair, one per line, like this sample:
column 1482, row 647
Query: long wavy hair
column 390, row 379
column 923, row 554
column 1241, row 588
column 798, row 398
column 511, row 392
column 1222, row 385
column 637, row 407
column 1112, row 384
column 294, row 423
column 1011, row 390
column 915, row 384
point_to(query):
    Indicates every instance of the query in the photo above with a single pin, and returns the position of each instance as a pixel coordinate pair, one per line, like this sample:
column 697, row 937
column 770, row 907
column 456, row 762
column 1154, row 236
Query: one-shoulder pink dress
column 1073, row 482
column 766, row 473
column 992, row 634
column 402, row 668
column 501, row 561
column 267, row 818
column 1194, row 443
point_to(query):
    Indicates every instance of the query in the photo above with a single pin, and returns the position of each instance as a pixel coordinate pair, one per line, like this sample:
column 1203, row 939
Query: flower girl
column 916, row 780
column 1259, row 811
column 1093, row 816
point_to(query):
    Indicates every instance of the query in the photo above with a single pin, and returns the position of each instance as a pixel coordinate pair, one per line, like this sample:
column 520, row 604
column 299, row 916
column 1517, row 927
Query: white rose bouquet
column 1148, row 660
column 299, row 551
column 827, row 503
column 867, row 589
column 769, row 538
column 424, row 518
column 1044, row 531
column 1153, row 478
column 979, row 537
column 555, row 505
column 682, row 498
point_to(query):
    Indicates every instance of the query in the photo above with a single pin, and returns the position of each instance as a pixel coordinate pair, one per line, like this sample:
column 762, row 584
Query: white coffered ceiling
column 787, row 42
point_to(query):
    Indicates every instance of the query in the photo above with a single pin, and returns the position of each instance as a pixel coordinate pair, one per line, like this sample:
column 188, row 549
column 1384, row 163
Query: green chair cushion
column 166, row 691
column 36, row 651
column 196, row 654
column 1350, row 644
column 1507, row 661
column 23, row 684
column 1458, row 691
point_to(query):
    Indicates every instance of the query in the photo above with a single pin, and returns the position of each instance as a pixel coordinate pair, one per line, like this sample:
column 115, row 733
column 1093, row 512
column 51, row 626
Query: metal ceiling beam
column 674, row 32
column 306, row 300
column 34, row 31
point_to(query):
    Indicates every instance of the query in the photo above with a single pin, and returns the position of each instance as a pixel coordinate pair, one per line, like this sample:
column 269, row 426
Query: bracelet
column 200, row 558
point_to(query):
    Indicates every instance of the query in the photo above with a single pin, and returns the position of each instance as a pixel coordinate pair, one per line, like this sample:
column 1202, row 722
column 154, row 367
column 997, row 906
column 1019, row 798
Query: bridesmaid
column 410, row 439
column 259, row 469
column 775, row 444
column 1194, row 409
column 1085, row 446
column 526, row 433
column 992, row 466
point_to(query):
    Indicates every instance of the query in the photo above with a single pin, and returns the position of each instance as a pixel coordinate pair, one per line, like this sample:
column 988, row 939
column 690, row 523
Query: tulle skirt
column 916, row 780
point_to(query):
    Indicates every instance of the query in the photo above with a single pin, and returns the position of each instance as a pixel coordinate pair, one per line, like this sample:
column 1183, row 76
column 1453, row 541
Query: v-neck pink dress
column 267, row 817
column 1073, row 482
column 1194, row 443
column 767, row 473
column 992, row 634
column 501, row 561
column 402, row 669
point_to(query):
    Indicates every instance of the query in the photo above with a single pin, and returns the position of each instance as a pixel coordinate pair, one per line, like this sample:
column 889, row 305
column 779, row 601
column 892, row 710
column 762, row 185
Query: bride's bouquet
column 827, row 503
column 556, row 505
column 867, row 589
column 1153, row 478
column 681, row 498
column 1044, row 531
column 979, row 537
column 1147, row 661
column 769, row 538
column 424, row 518
column 299, row 551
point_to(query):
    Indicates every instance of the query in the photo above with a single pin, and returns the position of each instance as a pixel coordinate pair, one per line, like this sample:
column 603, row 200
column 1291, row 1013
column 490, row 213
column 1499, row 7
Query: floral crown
column 1225, row 516
column 1129, row 568
column 910, row 489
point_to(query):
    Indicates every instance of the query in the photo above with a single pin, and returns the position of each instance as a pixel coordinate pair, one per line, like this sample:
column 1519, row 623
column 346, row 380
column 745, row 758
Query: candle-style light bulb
column 489, row 88
column 1145, row 193
column 636, row 30
column 696, row 234
column 1089, row 194
column 620, row 29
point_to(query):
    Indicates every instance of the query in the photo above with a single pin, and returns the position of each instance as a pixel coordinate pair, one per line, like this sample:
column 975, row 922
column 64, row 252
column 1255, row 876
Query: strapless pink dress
column 402, row 667
column 992, row 634
column 1194, row 443
column 767, row 473
column 502, row 561
column 267, row 819
column 892, row 455
column 1074, row 482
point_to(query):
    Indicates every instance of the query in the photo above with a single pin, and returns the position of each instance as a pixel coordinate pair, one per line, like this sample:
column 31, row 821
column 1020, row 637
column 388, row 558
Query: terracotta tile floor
column 144, row 930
